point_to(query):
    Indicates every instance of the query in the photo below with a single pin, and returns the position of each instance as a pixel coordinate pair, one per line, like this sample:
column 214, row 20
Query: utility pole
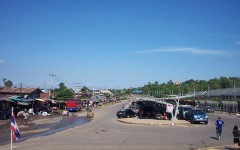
column 234, row 90
column 208, row 92
column 78, row 88
column 51, row 78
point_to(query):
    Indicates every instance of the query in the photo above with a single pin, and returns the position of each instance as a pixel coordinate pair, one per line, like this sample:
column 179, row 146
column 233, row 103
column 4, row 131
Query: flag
column 14, row 127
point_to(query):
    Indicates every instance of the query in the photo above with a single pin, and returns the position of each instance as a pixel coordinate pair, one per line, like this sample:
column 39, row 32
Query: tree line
column 171, row 88
column 154, row 89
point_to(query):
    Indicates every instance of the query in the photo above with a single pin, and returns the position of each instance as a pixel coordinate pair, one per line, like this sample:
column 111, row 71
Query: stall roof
column 23, row 103
column 18, row 90
column 5, row 100
column 41, row 100
column 18, row 98
column 219, row 92
column 56, row 101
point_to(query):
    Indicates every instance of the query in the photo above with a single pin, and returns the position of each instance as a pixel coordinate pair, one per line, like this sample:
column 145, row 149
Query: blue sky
column 118, row 44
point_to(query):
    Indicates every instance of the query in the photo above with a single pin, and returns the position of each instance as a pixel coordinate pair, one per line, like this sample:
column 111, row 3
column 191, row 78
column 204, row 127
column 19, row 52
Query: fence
column 227, row 106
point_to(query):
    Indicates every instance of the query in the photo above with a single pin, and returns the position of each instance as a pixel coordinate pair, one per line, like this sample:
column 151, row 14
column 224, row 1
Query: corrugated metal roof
column 219, row 92
column 18, row 90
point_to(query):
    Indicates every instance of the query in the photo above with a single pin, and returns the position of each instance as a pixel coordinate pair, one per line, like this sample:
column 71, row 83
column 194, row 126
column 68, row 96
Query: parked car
column 183, row 111
column 208, row 109
column 125, row 113
column 197, row 116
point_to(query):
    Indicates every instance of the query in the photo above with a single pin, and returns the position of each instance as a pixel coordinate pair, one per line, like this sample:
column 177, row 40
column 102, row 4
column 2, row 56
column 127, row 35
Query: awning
column 56, row 101
column 6, row 100
column 26, row 99
column 18, row 98
column 23, row 103
column 41, row 100
column 14, row 98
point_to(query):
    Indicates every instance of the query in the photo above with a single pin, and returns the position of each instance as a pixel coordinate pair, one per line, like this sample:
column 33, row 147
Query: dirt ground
column 43, row 125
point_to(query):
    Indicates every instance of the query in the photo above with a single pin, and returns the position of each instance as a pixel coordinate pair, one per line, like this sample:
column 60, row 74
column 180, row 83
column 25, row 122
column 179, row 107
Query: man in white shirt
column 30, row 111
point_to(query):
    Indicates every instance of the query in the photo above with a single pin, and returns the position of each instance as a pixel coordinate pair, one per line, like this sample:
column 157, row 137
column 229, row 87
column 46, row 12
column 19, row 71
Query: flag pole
column 11, row 131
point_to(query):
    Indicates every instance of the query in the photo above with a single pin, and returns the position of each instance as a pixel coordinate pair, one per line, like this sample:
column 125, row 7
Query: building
column 105, row 92
column 23, row 92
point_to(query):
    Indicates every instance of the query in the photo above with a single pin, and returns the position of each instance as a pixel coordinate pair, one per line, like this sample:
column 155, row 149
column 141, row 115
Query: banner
column 169, row 108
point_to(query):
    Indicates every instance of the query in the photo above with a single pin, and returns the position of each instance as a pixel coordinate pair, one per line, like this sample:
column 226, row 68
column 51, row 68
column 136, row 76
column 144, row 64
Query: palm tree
column 62, row 86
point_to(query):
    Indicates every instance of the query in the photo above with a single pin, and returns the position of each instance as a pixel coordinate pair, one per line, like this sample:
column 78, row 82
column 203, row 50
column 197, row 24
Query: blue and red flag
column 14, row 127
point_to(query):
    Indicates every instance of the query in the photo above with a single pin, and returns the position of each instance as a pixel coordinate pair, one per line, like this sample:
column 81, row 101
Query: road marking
column 215, row 147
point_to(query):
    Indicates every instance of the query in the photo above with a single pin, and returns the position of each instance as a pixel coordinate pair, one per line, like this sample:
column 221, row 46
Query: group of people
column 25, row 114
column 236, row 132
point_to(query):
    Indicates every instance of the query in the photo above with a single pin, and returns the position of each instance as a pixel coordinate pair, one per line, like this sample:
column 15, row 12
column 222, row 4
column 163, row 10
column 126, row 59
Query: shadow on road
column 215, row 138
column 230, row 148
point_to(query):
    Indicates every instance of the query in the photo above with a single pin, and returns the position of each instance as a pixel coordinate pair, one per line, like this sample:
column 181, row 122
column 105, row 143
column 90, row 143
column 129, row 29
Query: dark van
column 183, row 111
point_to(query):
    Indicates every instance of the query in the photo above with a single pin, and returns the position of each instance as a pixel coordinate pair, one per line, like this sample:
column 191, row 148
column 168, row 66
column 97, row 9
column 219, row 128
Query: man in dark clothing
column 236, row 136
column 219, row 125
column 230, row 110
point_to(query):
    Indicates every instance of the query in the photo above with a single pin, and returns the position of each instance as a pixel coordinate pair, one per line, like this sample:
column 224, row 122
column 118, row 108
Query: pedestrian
column 25, row 116
column 236, row 136
column 230, row 110
column 30, row 111
column 219, row 125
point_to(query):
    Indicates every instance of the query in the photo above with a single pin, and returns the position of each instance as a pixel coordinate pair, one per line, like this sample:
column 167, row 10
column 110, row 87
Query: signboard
column 169, row 108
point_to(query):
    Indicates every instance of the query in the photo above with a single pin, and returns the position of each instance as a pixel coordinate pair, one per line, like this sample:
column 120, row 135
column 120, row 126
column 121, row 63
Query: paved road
column 105, row 133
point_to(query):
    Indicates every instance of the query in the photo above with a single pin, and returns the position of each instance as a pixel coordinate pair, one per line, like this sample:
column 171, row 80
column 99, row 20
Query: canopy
column 23, row 103
column 14, row 98
column 41, row 100
column 18, row 98
column 26, row 99
column 56, row 101
column 6, row 100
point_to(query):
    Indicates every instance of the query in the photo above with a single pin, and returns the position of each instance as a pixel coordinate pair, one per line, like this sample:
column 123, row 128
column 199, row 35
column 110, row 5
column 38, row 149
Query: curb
column 153, row 124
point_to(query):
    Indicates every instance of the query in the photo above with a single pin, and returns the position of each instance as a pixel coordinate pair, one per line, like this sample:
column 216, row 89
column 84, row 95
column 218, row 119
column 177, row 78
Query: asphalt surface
column 106, row 132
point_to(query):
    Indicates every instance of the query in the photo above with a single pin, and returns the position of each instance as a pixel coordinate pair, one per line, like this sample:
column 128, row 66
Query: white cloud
column 190, row 50
column 2, row 62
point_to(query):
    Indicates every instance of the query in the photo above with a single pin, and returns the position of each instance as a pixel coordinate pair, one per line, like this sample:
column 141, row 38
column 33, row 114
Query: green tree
column 62, row 86
column 214, row 84
column 224, row 82
column 84, row 89
column 64, row 94
column 170, row 82
column 7, row 83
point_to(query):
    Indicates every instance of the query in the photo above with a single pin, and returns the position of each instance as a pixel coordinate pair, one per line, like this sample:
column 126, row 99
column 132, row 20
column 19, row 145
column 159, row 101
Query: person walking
column 230, row 110
column 236, row 136
column 219, row 125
